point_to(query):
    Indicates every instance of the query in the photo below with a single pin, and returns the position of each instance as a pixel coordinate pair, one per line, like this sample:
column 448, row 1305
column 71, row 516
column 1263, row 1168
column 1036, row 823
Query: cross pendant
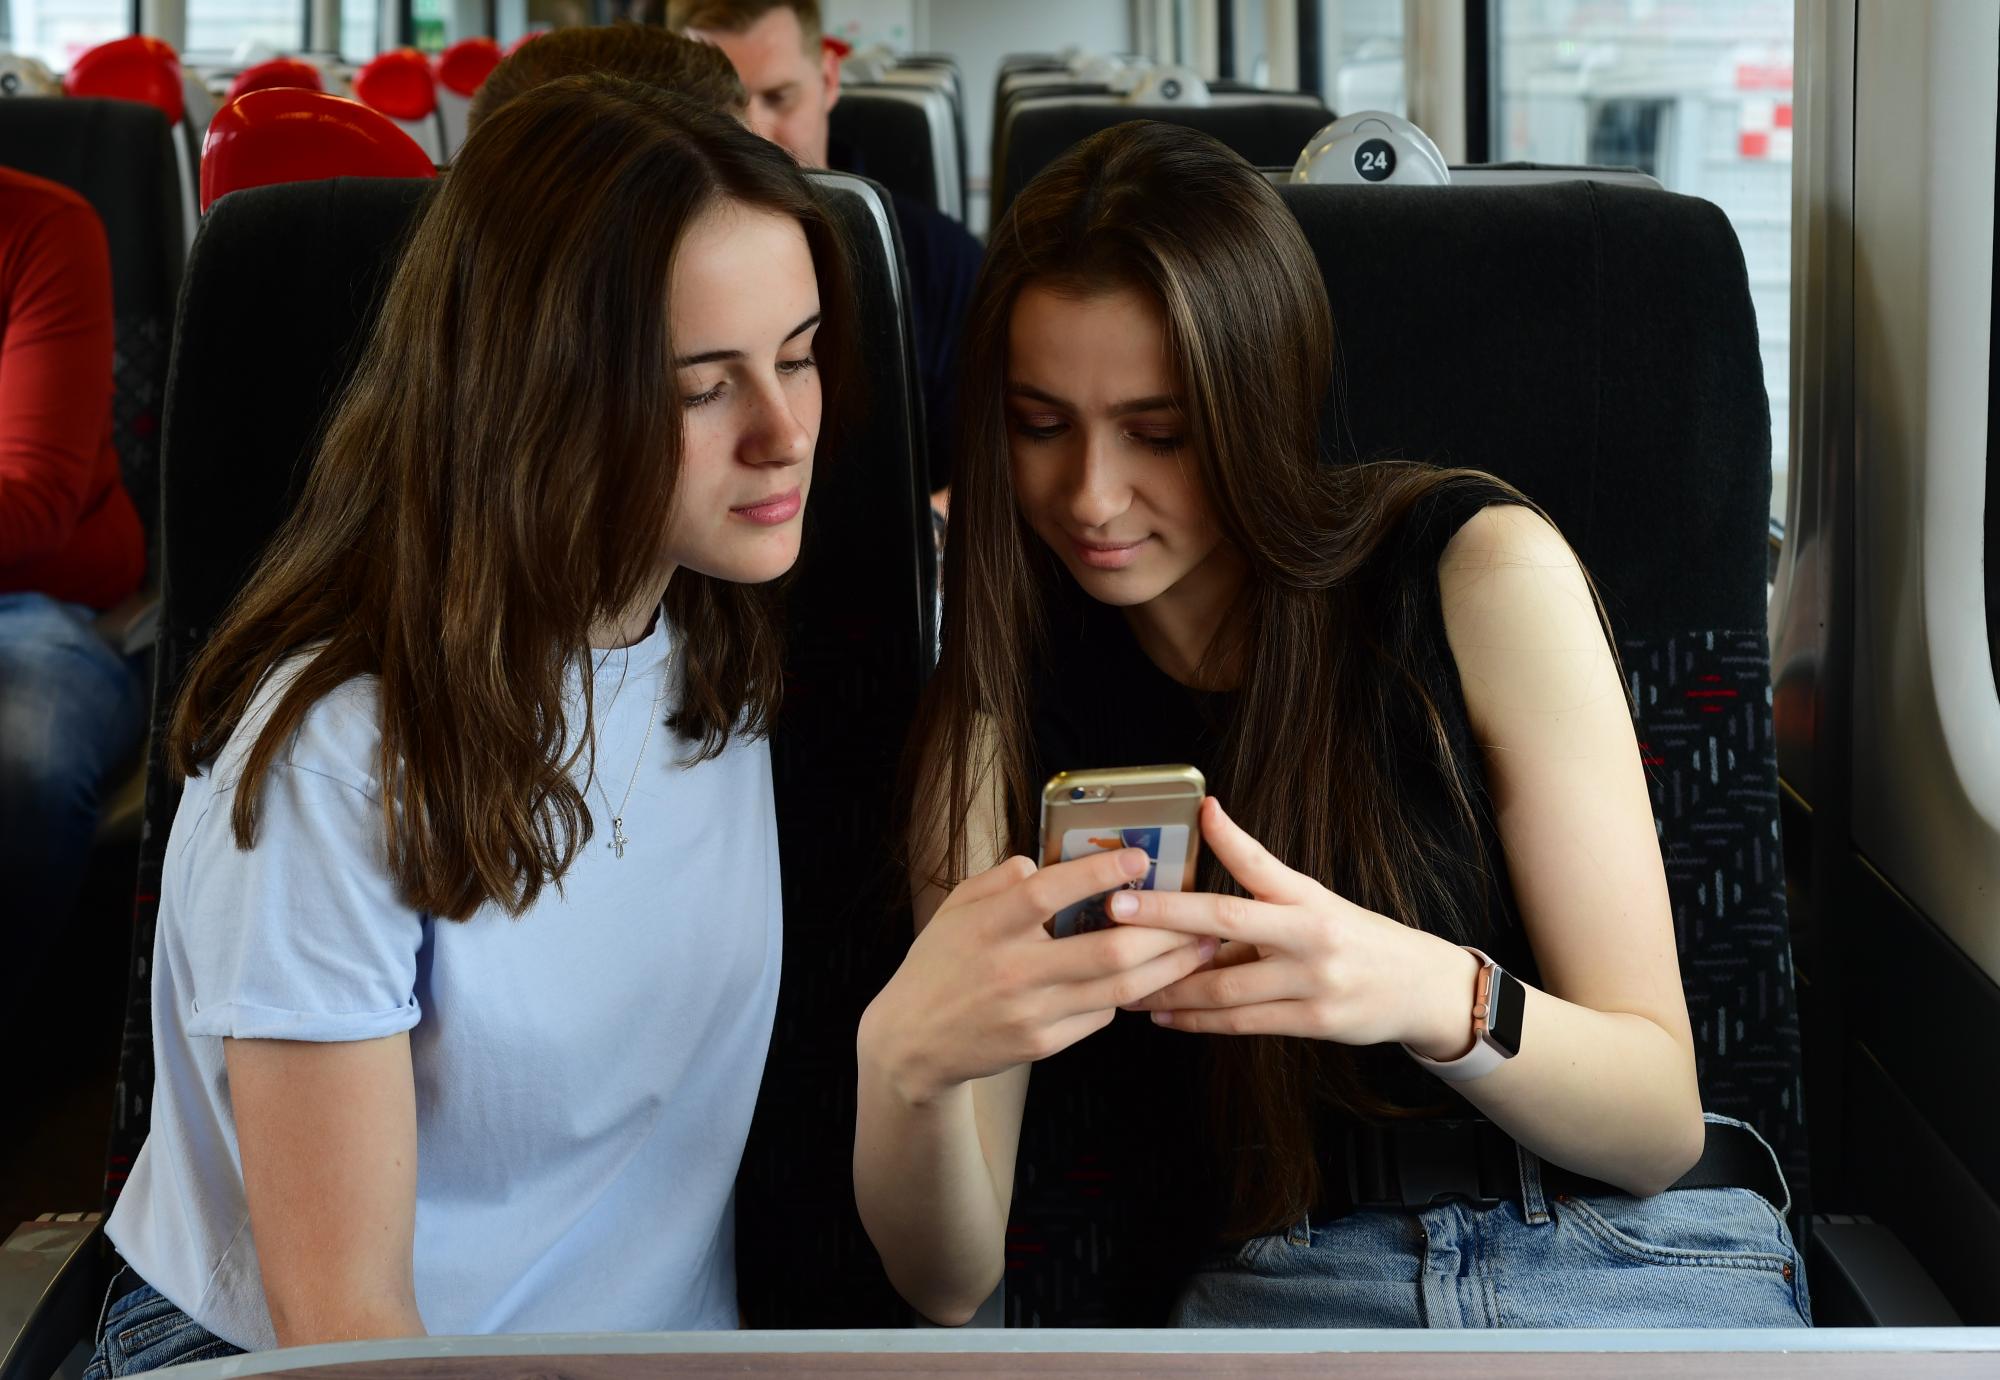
column 618, row 839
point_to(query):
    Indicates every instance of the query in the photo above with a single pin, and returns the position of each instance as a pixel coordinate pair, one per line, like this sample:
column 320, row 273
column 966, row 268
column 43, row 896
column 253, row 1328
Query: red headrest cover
column 130, row 69
column 276, row 72
column 289, row 134
column 399, row 84
column 466, row 64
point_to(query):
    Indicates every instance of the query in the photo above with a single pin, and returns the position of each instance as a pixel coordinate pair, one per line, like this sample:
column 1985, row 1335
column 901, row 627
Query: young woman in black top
column 1399, row 679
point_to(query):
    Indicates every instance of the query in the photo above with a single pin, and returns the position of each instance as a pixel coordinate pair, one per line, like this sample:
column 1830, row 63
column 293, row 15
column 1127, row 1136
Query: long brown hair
column 499, row 476
column 1308, row 764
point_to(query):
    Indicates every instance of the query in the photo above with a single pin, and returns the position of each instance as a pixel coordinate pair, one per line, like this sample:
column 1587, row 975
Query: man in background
column 793, row 81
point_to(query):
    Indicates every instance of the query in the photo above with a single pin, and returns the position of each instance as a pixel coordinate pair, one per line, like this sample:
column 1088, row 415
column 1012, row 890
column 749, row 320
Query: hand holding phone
column 984, row 988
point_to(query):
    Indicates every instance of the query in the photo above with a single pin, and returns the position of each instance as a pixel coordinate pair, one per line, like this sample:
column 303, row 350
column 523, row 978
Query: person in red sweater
column 71, row 704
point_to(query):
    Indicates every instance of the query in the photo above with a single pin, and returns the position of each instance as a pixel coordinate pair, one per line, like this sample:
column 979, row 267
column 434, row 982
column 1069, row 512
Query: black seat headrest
column 1594, row 345
column 891, row 137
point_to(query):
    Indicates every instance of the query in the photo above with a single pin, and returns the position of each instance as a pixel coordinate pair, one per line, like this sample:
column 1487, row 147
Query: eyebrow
column 1161, row 402
column 715, row 356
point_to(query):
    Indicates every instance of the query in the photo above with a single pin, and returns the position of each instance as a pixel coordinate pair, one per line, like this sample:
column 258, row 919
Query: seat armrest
column 1862, row 1276
column 133, row 625
column 52, row 1277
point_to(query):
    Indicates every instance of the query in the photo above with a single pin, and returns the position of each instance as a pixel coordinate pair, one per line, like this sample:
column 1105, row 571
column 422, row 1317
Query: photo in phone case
column 1166, row 848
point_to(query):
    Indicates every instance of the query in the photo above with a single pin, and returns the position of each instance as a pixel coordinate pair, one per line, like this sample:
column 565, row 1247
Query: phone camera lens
column 1076, row 792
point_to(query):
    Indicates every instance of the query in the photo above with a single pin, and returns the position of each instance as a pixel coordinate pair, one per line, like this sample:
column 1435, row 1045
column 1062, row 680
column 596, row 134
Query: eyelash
column 1159, row 445
column 785, row 366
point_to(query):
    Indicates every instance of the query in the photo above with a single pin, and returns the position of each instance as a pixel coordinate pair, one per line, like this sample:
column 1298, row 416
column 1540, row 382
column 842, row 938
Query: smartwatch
column 1498, row 1004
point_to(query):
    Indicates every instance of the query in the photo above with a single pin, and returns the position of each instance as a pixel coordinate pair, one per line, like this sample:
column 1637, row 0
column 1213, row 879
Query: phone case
column 1154, row 808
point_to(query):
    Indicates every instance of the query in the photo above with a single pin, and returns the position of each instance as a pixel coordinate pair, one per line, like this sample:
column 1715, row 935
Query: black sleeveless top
column 1118, row 1188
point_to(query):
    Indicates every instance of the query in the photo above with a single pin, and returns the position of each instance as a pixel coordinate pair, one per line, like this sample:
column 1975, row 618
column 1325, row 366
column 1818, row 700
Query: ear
column 829, row 70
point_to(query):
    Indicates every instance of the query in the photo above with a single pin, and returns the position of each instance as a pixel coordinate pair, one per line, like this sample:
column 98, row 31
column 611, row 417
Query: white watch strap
column 1482, row 1058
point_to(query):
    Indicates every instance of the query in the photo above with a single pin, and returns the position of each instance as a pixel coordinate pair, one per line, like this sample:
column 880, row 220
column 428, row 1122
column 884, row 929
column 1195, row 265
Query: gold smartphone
column 1154, row 808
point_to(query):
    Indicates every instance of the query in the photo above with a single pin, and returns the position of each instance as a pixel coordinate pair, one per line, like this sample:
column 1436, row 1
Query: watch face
column 1505, row 1006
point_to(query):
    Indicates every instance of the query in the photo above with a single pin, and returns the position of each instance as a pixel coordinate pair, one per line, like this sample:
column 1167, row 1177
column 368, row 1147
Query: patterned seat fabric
column 1596, row 347
column 1704, row 711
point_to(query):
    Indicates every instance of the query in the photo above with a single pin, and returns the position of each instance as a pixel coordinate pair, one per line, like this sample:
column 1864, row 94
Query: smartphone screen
column 1151, row 808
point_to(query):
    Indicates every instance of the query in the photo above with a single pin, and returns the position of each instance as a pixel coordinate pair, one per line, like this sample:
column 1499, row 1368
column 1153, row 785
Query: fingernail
column 1133, row 861
column 1207, row 949
column 1163, row 1018
column 1124, row 905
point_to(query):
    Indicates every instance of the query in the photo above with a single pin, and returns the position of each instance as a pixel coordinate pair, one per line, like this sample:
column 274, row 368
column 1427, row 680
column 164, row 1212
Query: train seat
column 21, row 75
column 291, row 134
column 1594, row 345
column 241, row 424
column 907, row 139
column 275, row 73
column 1266, row 127
column 399, row 84
column 148, row 71
column 940, row 76
column 937, row 62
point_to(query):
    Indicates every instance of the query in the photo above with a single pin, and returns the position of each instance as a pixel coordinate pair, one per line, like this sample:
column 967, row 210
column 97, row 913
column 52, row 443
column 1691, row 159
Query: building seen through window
column 1363, row 54
column 55, row 31
column 222, row 26
column 1697, row 93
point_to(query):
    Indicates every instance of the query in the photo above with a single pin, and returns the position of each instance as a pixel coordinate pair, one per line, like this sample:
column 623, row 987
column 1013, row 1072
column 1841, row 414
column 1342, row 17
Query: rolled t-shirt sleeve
column 304, row 936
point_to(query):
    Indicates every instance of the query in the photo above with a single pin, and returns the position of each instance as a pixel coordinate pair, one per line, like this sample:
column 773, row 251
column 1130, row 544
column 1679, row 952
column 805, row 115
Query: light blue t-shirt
column 585, row 1073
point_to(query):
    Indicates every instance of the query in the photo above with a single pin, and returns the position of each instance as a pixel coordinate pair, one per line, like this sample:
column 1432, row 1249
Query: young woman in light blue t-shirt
column 476, row 767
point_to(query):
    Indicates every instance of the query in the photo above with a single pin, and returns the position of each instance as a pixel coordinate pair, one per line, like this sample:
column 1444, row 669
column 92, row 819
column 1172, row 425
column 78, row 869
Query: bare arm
column 328, row 1136
column 934, row 1169
column 944, row 1051
column 1606, row 1085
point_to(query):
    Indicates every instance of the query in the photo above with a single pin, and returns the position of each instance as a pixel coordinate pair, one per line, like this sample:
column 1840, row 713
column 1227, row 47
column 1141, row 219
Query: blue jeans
column 1689, row 1257
column 142, row 1332
column 71, row 710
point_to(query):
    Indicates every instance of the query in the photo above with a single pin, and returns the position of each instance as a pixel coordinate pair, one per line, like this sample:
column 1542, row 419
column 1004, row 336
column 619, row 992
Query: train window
column 360, row 32
column 221, row 26
column 428, row 28
column 1361, row 55
column 1253, row 49
column 55, row 31
column 1697, row 93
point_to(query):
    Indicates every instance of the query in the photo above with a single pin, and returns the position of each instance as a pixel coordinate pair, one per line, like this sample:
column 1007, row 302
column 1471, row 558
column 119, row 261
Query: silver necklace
column 618, row 838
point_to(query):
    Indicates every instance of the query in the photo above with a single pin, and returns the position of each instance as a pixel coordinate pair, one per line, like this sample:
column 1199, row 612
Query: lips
column 769, row 512
column 1107, row 555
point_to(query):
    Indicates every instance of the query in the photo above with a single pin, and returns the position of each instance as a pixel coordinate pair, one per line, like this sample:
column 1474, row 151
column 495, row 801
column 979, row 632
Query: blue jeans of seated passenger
column 71, row 709
column 142, row 1332
column 1689, row 1257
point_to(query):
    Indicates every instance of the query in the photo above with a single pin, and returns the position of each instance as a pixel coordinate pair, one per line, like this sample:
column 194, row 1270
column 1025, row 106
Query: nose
column 776, row 434
column 1099, row 492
